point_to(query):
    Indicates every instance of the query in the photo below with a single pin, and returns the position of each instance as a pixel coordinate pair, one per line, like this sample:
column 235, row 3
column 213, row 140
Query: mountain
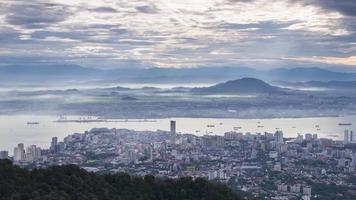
column 71, row 182
column 51, row 70
column 322, row 84
column 308, row 74
column 244, row 85
column 47, row 73
column 65, row 72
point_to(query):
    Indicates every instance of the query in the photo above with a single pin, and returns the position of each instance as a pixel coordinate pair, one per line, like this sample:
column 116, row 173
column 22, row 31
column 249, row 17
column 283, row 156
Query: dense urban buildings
column 263, row 165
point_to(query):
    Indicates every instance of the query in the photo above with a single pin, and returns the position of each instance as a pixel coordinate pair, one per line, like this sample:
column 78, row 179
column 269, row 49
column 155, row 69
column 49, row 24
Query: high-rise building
column 148, row 151
column 279, row 137
column 315, row 136
column 131, row 156
column 346, row 136
column 19, row 152
column 173, row 132
column 349, row 137
column 54, row 145
column 213, row 142
column 173, row 127
column 308, row 137
column 299, row 139
column 33, row 153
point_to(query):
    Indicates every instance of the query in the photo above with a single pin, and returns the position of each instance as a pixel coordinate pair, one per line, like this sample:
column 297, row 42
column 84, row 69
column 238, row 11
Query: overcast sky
column 179, row 33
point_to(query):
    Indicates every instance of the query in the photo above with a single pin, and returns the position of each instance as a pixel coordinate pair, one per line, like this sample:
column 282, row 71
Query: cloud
column 36, row 15
column 350, row 61
column 186, row 33
column 347, row 7
column 149, row 9
column 104, row 9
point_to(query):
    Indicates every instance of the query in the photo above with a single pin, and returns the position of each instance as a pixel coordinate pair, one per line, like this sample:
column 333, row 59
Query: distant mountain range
column 240, row 86
column 45, row 73
column 309, row 74
column 321, row 84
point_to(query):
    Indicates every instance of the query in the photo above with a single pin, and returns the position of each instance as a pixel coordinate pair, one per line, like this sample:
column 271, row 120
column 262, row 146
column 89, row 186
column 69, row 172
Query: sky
column 179, row 33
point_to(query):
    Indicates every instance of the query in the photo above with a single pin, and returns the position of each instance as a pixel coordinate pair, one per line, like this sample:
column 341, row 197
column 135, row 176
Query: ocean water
column 14, row 129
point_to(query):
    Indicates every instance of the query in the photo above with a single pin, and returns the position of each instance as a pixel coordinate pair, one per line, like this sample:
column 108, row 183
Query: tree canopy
column 72, row 182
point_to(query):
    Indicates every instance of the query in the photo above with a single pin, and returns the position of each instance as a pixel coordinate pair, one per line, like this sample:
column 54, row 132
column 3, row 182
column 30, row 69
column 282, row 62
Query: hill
column 321, row 84
column 308, row 74
column 68, row 72
column 244, row 85
column 71, row 182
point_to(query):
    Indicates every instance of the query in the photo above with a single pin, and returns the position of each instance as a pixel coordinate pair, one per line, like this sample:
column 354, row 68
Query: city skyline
column 230, row 158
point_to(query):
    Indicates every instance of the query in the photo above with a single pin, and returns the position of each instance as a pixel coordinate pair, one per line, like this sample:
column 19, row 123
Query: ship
column 345, row 124
column 33, row 123
column 210, row 126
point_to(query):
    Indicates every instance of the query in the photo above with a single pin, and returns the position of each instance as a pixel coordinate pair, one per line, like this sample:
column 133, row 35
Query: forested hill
column 71, row 182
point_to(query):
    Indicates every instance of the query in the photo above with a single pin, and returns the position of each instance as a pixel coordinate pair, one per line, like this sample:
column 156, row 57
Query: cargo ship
column 345, row 124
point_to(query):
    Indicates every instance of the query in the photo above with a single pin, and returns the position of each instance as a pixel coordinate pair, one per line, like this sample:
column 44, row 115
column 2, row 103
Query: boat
column 211, row 126
column 345, row 124
column 336, row 136
column 260, row 126
column 33, row 123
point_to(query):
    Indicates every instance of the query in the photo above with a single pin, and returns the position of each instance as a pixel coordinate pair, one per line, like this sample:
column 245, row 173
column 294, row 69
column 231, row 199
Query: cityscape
column 178, row 100
column 260, row 165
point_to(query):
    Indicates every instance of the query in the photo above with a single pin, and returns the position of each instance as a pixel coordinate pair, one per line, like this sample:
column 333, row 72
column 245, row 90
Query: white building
column 282, row 188
column 19, row 152
column 295, row 188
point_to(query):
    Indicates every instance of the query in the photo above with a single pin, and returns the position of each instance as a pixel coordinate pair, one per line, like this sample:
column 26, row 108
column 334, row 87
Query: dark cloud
column 104, row 10
column 347, row 7
column 36, row 15
column 268, row 25
column 150, row 9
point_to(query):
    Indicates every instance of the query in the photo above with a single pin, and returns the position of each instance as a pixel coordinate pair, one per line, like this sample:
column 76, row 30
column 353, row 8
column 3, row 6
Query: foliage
column 72, row 182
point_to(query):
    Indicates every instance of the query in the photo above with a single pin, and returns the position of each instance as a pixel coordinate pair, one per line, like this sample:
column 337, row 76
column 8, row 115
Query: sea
column 39, row 129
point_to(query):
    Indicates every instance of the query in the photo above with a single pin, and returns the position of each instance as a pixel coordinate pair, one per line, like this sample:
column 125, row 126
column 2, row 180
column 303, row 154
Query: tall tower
column 19, row 152
column 279, row 137
column 173, row 131
column 54, row 145
column 173, row 127
column 347, row 136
